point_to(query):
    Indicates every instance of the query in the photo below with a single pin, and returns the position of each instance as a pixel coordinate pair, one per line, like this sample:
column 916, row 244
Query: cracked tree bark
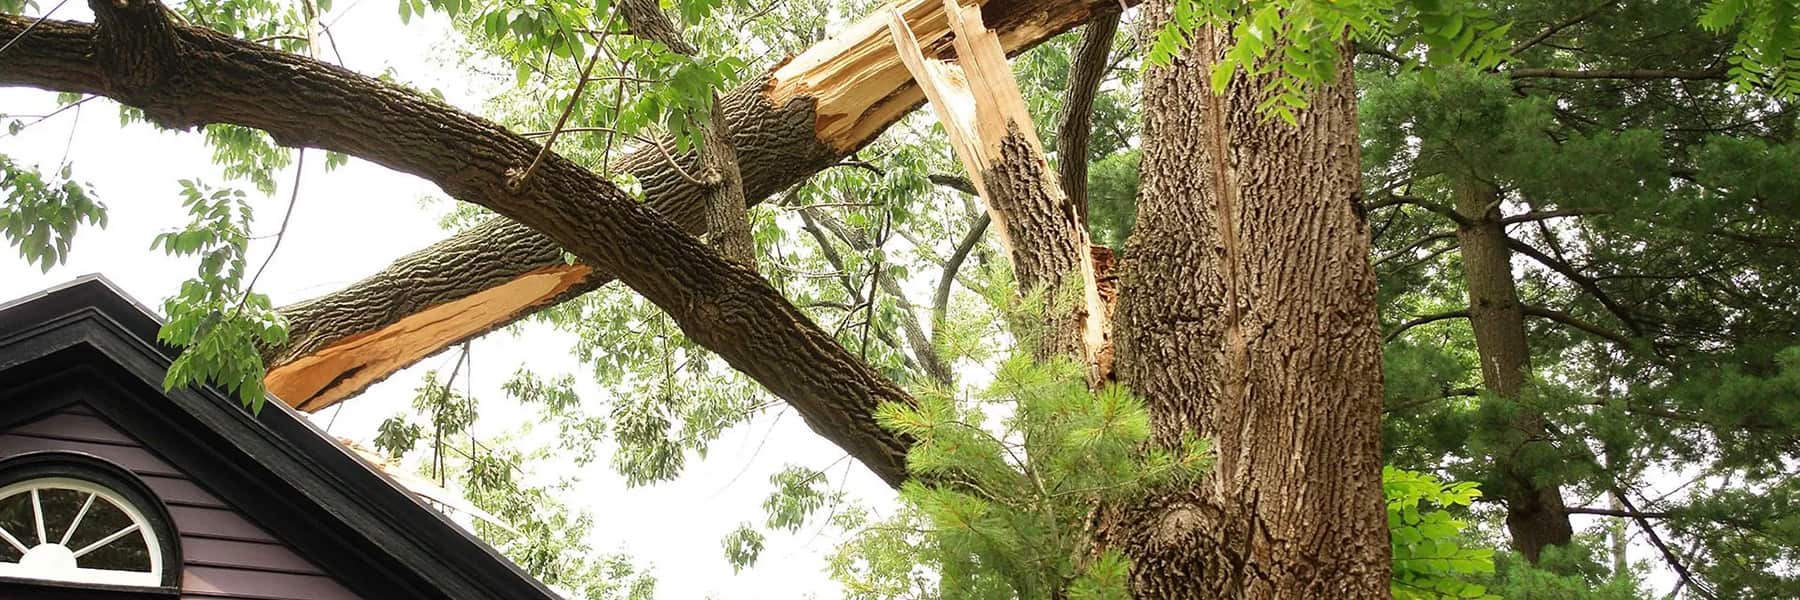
column 1247, row 315
column 804, row 116
column 979, row 104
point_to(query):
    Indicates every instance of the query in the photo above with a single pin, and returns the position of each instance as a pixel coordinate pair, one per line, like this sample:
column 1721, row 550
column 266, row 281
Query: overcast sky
column 353, row 221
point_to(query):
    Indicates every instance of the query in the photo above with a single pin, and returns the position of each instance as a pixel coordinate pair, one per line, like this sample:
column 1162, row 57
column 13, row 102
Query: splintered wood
column 982, row 110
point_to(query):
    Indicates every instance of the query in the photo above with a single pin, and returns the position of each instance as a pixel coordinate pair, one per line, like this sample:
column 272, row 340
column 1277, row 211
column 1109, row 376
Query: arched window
column 73, row 518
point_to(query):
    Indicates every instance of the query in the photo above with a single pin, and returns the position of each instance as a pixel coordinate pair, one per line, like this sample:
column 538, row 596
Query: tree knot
column 135, row 45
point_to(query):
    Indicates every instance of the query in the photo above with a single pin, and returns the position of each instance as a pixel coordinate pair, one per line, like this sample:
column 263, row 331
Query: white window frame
column 143, row 527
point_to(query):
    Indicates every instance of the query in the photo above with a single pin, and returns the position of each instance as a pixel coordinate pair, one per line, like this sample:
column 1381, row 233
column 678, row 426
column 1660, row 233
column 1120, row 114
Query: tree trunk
column 978, row 102
column 1535, row 514
column 1247, row 316
column 804, row 116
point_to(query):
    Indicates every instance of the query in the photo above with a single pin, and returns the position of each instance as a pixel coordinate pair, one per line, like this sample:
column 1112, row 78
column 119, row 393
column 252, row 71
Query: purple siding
column 226, row 556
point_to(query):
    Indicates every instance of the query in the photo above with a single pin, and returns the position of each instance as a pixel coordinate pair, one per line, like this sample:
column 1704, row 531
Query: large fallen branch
column 182, row 77
column 802, row 117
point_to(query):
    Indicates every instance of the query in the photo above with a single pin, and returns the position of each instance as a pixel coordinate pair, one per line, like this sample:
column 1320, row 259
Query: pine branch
column 1443, row 210
column 1543, row 215
column 1612, row 512
column 1587, row 284
column 1578, row 323
column 1715, row 73
column 1558, row 27
column 1461, row 313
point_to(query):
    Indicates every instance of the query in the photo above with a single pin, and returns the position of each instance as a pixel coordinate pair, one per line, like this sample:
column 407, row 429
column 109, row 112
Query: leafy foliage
column 1430, row 561
column 218, row 322
column 42, row 214
column 742, row 546
column 1768, row 41
column 537, row 528
column 1002, row 513
column 1300, row 43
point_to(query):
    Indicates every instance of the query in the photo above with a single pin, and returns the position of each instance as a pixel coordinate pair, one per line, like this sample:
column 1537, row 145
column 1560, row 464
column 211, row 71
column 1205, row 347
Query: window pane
column 60, row 506
column 101, row 521
column 124, row 554
column 15, row 516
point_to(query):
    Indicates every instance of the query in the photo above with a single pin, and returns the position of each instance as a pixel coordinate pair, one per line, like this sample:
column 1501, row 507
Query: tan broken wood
column 982, row 110
column 322, row 378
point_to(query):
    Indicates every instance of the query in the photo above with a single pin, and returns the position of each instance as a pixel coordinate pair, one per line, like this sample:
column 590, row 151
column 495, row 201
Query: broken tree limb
column 184, row 77
column 980, row 106
column 344, row 342
column 802, row 117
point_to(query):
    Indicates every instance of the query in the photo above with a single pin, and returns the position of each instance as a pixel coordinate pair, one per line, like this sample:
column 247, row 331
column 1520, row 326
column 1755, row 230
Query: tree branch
column 1421, row 242
column 810, row 224
column 1075, row 123
column 921, row 346
column 1444, row 210
column 1543, row 215
column 1610, row 512
column 1576, row 322
column 940, row 300
column 727, row 225
column 1587, row 284
column 802, row 117
column 1427, row 319
column 1558, row 27
column 1716, row 73
column 184, row 77
column 1656, row 540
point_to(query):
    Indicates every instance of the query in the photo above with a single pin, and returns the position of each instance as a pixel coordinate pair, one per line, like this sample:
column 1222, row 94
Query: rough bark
column 341, row 343
column 1247, row 315
column 805, row 115
column 980, row 106
column 1535, row 514
column 1075, row 125
column 182, row 77
column 727, row 224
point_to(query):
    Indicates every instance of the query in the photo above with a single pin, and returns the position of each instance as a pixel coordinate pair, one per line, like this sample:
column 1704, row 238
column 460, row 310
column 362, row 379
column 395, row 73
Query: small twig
column 667, row 157
column 280, row 234
column 516, row 183
column 59, row 110
column 74, row 126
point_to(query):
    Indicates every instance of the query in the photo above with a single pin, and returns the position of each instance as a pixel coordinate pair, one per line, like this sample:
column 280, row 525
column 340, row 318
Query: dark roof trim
column 87, row 341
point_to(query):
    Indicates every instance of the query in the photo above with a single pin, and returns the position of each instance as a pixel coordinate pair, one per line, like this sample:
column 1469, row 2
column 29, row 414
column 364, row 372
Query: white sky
column 352, row 222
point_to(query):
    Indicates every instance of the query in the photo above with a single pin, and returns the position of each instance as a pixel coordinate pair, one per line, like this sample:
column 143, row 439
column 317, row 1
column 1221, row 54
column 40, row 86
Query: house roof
column 87, row 341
